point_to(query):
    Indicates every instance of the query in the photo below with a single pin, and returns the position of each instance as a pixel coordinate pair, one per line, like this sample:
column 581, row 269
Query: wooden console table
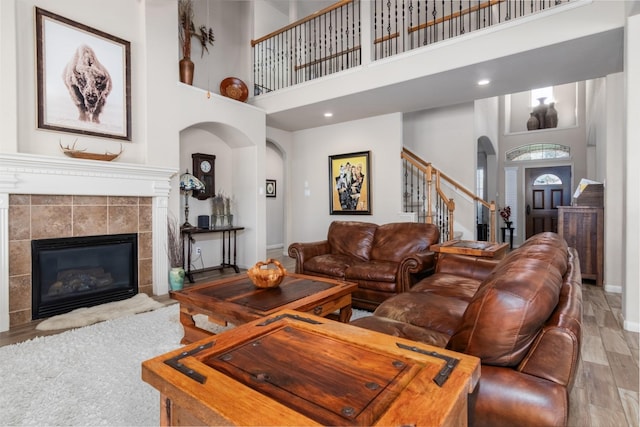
column 228, row 235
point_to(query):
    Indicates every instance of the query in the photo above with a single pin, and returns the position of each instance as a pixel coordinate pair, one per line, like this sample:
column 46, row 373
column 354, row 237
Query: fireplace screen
column 75, row 272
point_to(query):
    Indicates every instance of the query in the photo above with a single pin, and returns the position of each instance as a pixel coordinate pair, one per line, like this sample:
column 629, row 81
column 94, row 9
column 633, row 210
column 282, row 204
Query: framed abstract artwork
column 83, row 78
column 350, row 184
column 271, row 188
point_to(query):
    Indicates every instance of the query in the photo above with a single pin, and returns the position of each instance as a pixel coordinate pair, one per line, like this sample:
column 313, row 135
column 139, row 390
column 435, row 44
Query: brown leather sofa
column 521, row 316
column 384, row 260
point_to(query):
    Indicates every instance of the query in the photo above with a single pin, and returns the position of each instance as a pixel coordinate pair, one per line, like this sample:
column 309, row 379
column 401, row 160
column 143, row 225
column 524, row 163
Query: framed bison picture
column 84, row 78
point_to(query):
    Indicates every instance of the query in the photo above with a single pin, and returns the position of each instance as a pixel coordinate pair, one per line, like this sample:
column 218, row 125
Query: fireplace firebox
column 74, row 272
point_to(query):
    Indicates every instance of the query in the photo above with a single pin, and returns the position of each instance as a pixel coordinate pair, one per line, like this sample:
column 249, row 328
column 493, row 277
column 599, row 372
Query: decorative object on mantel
column 188, row 184
column 543, row 116
column 82, row 154
column 234, row 88
column 187, row 30
column 267, row 277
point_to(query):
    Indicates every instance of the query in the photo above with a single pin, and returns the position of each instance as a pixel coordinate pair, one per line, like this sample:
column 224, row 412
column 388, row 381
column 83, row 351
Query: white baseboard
column 614, row 289
column 631, row 326
column 275, row 246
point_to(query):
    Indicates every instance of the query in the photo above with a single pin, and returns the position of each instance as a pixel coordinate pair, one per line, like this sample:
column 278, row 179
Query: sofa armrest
column 465, row 266
column 510, row 398
column 415, row 267
column 302, row 252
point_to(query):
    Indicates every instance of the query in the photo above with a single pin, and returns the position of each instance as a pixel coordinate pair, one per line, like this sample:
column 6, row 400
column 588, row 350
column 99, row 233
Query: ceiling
column 580, row 59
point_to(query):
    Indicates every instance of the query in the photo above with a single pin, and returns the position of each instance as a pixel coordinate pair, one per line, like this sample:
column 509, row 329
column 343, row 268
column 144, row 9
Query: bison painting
column 89, row 84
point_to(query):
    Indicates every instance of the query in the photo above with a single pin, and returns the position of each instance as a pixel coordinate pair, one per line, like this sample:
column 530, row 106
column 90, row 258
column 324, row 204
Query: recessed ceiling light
column 328, row 115
column 483, row 82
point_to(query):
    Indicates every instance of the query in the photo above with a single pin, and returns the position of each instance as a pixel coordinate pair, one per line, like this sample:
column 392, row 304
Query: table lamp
column 188, row 183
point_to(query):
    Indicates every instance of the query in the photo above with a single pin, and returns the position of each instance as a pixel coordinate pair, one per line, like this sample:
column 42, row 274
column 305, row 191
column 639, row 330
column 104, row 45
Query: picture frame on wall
column 83, row 78
column 271, row 188
column 350, row 184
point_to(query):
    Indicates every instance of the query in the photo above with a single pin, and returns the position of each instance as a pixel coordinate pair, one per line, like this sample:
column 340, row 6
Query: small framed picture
column 271, row 188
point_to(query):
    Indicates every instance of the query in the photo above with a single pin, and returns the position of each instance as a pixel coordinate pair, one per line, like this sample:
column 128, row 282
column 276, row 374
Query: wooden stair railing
column 433, row 195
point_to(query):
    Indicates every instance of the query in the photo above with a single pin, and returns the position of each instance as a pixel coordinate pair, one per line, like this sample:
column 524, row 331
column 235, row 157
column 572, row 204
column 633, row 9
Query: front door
column 546, row 189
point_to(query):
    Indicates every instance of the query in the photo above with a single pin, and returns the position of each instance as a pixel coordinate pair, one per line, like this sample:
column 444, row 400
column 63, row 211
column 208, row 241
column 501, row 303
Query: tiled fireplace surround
column 45, row 197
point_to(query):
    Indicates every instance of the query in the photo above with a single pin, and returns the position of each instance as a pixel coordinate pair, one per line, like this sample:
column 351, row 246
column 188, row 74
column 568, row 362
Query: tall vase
column 176, row 278
column 540, row 111
column 186, row 71
column 551, row 117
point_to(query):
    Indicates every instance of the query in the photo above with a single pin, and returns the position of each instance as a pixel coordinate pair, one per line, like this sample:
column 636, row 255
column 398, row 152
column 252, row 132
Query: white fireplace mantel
column 36, row 174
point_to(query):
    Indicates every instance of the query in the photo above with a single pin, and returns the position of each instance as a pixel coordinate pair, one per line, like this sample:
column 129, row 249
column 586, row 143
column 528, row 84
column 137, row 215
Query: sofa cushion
column 379, row 271
column 448, row 285
column 328, row 265
column 438, row 313
column 351, row 238
column 394, row 241
column 508, row 311
column 402, row 330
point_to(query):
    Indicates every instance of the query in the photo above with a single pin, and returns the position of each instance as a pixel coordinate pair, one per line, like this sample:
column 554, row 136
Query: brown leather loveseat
column 384, row 260
column 521, row 316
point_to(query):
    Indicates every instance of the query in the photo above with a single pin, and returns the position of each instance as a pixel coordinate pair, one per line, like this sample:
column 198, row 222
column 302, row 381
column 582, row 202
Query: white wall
column 309, row 155
column 275, row 205
column 610, row 149
column 446, row 138
column 231, row 54
column 631, row 294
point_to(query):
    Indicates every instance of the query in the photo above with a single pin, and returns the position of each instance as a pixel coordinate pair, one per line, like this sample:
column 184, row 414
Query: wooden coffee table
column 237, row 300
column 297, row 369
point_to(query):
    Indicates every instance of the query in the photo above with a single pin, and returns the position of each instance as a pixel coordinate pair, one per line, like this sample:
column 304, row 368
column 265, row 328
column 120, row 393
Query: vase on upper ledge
column 186, row 71
column 551, row 116
column 540, row 111
column 533, row 123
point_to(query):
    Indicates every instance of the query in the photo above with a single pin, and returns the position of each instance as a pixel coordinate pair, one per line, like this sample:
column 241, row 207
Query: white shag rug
column 85, row 316
column 91, row 376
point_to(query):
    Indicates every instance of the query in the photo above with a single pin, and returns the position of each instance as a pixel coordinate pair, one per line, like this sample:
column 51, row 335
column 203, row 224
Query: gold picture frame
column 350, row 184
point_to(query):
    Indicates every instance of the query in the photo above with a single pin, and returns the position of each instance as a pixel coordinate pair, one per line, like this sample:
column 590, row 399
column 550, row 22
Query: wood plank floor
column 606, row 388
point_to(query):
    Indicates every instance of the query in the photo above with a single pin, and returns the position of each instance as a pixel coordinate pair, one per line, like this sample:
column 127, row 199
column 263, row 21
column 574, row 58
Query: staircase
column 427, row 193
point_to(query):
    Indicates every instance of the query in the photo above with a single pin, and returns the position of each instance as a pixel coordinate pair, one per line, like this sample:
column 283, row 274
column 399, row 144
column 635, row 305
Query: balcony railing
column 330, row 40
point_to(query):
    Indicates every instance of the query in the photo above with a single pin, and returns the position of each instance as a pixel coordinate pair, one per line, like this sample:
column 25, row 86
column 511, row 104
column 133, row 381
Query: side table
column 228, row 235
column 474, row 248
column 504, row 229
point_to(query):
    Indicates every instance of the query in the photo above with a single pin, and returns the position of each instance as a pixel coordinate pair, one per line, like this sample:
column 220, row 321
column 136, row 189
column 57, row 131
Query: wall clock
column 204, row 169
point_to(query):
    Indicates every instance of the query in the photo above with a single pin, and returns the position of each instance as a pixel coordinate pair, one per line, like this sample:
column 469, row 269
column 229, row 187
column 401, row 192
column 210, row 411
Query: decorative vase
column 230, row 220
column 551, row 116
column 540, row 112
column 508, row 223
column 186, row 71
column 176, row 278
column 533, row 122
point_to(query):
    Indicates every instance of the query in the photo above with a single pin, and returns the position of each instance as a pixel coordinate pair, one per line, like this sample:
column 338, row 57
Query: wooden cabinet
column 583, row 229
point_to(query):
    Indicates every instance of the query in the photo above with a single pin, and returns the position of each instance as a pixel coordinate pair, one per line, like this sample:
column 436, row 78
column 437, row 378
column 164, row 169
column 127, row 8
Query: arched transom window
column 547, row 179
column 539, row 152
